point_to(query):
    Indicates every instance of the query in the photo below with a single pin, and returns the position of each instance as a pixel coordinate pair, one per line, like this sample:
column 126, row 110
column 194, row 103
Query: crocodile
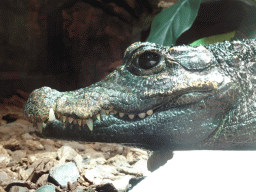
column 177, row 98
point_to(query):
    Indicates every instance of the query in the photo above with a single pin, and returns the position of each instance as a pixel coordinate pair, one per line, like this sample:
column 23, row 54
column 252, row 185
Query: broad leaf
column 246, row 30
column 168, row 25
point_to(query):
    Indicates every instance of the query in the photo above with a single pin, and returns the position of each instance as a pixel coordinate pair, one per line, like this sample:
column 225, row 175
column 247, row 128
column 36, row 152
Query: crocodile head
column 159, row 97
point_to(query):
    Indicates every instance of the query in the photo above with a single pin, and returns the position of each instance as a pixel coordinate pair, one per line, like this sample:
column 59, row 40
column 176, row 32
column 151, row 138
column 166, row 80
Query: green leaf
column 246, row 30
column 168, row 25
column 214, row 39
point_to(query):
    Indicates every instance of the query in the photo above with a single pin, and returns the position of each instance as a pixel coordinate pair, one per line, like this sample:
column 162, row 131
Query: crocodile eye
column 148, row 59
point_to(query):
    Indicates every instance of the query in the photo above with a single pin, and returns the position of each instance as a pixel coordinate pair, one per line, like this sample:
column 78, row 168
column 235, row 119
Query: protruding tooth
column 79, row 121
column 107, row 112
column 98, row 116
column 121, row 114
column 70, row 120
column 89, row 123
column 40, row 127
column 131, row 116
column 142, row 115
column 103, row 112
column 51, row 115
column 44, row 125
column 150, row 112
column 64, row 118
column 58, row 115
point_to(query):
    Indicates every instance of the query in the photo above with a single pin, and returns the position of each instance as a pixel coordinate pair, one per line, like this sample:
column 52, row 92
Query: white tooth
column 107, row 112
column 121, row 114
column 40, row 127
column 131, row 116
column 142, row 115
column 51, row 115
column 64, row 118
column 44, row 125
column 70, row 120
column 103, row 112
column 150, row 112
column 98, row 116
column 79, row 121
column 89, row 123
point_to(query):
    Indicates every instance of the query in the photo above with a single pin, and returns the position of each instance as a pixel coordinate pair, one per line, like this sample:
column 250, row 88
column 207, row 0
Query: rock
column 113, row 149
column 5, row 159
column 119, row 160
column 25, row 174
column 46, row 188
column 158, row 158
column 33, row 145
column 43, row 165
column 19, row 189
column 79, row 162
column 141, row 166
column 12, row 144
column 3, row 151
column 27, row 136
column 18, row 154
column 11, row 177
column 42, row 180
column 3, row 177
column 66, row 153
column 51, row 155
column 92, row 154
column 76, row 145
column 92, row 175
column 63, row 174
column 122, row 184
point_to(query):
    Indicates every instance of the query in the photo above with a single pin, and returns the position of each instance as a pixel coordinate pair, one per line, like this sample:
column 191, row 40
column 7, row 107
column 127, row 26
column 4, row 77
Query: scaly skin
column 160, row 97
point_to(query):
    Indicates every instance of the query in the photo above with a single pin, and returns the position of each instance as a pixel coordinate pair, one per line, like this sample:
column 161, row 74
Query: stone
column 5, row 159
column 63, row 174
column 46, row 188
column 119, row 160
column 12, row 144
column 25, row 174
column 76, row 145
column 19, row 189
column 122, row 184
column 66, row 153
column 92, row 154
column 3, row 176
column 42, row 180
column 43, row 165
column 27, row 136
column 18, row 155
column 33, row 145
column 79, row 162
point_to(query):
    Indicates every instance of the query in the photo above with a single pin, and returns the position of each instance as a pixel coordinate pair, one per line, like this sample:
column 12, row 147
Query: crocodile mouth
column 182, row 100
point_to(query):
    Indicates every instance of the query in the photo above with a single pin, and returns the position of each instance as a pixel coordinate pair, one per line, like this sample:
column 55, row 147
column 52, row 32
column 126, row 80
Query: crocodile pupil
column 148, row 60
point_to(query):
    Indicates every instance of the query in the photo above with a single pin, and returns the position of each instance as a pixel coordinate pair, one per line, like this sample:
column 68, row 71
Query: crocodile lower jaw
column 182, row 100
column 89, row 122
